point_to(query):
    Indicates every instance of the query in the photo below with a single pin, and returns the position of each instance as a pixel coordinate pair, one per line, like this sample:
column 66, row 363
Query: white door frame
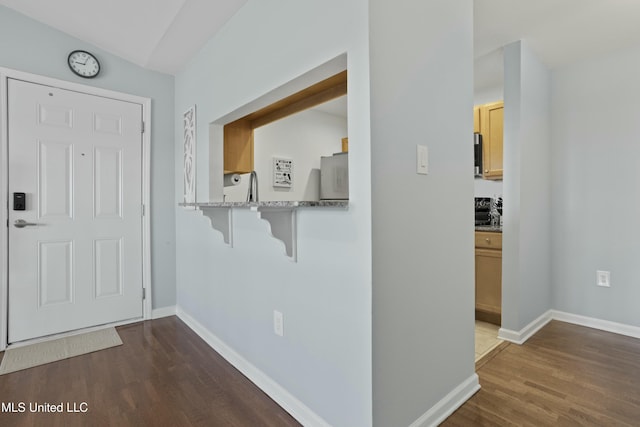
column 5, row 74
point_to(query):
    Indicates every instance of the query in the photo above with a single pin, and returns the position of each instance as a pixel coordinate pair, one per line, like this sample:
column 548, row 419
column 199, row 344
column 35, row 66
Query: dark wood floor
column 163, row 375
column 565, row 375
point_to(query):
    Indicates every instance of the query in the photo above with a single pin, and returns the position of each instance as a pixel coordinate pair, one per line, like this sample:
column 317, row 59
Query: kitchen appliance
column 334, row 177
column 496, row 211
column 483, row 210
column 477, row 154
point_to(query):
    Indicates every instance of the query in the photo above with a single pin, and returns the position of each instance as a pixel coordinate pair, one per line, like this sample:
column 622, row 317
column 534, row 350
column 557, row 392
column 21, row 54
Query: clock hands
column 84, row 64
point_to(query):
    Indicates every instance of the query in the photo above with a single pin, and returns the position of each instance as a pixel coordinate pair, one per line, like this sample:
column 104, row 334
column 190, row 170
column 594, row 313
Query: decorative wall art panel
column 189, row 144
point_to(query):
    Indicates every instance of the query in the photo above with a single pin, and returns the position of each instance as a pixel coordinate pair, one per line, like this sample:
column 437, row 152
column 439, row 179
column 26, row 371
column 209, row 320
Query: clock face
column 83, row 64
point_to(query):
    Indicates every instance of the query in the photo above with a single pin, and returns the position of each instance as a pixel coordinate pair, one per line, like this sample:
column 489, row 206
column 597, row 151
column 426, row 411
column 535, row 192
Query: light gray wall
column 423, row 259
column 487, row 95
column 324, row 359
column 487, row 187
column 526, row 259
column 30, row 46
column 596, row 192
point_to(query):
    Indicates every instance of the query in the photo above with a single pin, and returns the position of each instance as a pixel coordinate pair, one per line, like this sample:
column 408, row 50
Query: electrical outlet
column 278, row 323
column 603, row 278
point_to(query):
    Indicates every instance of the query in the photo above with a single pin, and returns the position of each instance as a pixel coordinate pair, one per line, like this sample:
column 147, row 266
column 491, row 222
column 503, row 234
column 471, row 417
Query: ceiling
column 163, row 35
column 560, row 32
column 335, row 107
column 160, row 35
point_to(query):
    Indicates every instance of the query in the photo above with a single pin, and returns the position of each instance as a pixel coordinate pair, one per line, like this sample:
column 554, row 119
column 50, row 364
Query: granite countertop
column 272, row 204
column 490, row 228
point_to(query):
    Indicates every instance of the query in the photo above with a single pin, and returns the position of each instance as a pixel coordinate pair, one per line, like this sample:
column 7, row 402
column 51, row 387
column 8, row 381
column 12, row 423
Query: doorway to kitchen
column 488, row 134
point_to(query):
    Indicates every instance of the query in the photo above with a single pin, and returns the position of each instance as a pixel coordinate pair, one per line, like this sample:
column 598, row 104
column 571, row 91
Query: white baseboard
column 603, row 325
column 282, row 397
column 448, row 404
column 519, row 337
column 158, row 313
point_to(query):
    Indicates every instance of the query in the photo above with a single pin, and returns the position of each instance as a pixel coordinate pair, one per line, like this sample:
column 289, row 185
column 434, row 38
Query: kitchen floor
column 486, row 338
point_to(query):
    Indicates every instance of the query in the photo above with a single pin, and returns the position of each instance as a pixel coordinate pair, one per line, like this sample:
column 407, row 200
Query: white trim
column 448, row 404
column 158, row 313
column 77, row 87
column 6, row 73
column 603, row 325
column 519, row 337
column 4, row 212
column 146, row 219
column 282, row 397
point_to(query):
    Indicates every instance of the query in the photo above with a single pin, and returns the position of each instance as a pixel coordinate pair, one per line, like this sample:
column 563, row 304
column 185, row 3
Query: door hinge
column 142, row 127
column 144, row 293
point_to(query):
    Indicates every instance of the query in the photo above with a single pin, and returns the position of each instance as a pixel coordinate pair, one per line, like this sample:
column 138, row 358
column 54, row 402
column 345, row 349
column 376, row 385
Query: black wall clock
column 83, row 63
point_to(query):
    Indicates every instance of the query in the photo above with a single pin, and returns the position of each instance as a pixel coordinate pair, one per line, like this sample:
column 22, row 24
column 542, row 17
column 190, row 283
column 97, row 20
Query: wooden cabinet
column 238, row 147
column 345, row 145
column 489, row 277
column 491, row 127
column 476, row 119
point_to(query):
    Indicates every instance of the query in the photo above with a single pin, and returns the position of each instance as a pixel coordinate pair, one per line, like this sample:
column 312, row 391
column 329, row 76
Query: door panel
column 55, row 115
column 108, row 267
column 108, row 124
column 55, row 273
column 78, row 158
column 108, row 182
column 55, row 184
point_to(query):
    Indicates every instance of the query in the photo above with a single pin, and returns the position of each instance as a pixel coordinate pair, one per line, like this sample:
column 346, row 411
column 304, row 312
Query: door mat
column 17, row 359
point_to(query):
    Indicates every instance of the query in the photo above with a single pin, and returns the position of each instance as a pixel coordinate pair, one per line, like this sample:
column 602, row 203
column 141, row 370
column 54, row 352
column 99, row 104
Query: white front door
column 78, row 260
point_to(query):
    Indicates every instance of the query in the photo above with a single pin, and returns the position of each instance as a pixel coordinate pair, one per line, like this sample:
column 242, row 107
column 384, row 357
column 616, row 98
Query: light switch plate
column 422, row 159
column 278, row 323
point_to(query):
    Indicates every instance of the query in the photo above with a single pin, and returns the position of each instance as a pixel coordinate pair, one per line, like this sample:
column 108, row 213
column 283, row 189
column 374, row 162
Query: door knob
column 21, row 223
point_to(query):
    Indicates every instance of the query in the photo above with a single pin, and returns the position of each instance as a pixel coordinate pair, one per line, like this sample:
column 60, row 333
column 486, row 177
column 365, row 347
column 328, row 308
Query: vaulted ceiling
column 163, row 35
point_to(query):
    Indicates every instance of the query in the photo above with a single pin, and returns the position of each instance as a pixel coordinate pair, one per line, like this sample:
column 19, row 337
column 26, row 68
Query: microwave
column 334, row 177
column 477, row 155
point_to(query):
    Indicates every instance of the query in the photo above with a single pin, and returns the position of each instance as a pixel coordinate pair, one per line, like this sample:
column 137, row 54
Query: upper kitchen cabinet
column 491, row 127
column 476, row 119
column 238, row 147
